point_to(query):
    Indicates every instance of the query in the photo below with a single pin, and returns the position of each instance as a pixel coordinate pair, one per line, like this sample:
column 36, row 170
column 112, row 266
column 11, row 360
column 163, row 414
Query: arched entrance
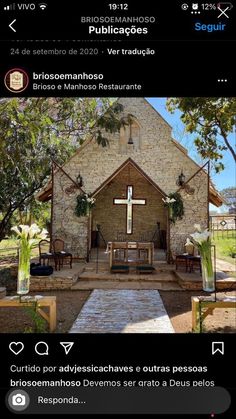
column 129, row 207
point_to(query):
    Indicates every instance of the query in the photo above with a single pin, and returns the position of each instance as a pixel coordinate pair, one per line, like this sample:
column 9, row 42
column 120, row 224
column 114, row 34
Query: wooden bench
column 50, row 302
column 203, row 306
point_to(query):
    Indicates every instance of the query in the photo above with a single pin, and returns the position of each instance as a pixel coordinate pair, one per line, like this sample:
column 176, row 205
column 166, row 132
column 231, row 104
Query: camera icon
column 18, row 400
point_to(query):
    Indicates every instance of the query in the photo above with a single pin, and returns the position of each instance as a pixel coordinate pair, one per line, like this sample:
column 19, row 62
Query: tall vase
column 23, row 280
column 171, row 213
column 208, row 278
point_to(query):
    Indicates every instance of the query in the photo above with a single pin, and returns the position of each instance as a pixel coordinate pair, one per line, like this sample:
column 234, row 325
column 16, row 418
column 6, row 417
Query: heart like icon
column 16, row 347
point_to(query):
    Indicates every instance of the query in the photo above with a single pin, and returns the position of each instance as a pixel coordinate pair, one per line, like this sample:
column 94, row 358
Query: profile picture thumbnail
column 16, row 80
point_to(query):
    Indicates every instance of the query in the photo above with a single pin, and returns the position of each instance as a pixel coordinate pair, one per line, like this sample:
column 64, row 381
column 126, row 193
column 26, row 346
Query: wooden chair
column 121, row 237
column 142, row 252
column 61, row 254
column 181, row 261
column 120, row 251
column 45, row 254
column 195, row 263
column 118, row 257
column 143, row 263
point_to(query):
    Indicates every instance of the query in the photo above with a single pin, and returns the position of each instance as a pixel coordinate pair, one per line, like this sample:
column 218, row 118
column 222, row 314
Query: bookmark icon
column 218, row 347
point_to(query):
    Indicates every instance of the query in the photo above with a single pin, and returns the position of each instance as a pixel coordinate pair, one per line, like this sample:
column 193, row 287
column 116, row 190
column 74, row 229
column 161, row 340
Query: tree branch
column 223, row 134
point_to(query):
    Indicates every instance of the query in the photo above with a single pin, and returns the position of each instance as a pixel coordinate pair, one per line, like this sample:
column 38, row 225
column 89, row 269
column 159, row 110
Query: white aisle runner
column 123, row 311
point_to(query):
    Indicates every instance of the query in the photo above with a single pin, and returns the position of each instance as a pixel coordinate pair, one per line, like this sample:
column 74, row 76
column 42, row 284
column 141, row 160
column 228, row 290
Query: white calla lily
column 24, row 230
column 16, row 230
column 34, row 230
column 168, row 200
column 44, row 234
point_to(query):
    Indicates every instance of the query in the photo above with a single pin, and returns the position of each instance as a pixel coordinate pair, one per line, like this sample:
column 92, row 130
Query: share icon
column 67, row 346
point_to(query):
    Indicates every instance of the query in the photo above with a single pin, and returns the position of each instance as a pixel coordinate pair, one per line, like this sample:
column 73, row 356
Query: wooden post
column 49, row 302
column 88, row 237
column 208, row 305
column 111, row 255
column 52, row 316
column 168, row 254
column 195, row 313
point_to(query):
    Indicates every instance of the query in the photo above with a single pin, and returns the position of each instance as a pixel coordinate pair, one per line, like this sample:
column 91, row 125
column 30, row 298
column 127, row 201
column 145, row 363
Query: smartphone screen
column 117, row 208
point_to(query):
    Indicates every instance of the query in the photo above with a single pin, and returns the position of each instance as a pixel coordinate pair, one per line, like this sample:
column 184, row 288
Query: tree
column 229, row 195
column 35, row 130
column 213, row 119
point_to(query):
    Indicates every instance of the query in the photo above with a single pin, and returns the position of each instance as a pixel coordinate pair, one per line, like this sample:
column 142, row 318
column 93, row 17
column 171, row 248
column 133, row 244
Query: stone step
column 106, row 276
column 2, row 292
column 138, row 285
column 194, row 282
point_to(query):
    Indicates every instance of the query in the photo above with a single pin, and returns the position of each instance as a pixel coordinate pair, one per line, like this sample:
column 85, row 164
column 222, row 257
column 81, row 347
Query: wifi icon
column 43, row 6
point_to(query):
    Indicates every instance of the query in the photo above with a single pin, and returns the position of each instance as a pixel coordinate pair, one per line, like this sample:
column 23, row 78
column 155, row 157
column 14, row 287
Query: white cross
column 129, row 201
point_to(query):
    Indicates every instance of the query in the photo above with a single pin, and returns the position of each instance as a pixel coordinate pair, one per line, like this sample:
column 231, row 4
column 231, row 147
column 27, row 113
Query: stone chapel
column 128, row 179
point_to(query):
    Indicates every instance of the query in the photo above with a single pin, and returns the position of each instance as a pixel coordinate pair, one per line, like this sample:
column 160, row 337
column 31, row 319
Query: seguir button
column 209, row 27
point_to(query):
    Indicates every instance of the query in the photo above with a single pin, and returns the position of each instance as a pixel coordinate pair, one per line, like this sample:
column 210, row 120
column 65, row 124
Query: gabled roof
column 45, row 194
column 131, row 162
column 214, row 197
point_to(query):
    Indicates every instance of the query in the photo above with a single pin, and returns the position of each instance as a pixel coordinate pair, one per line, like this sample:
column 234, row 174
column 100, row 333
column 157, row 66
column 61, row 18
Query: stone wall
column 195, row 212
column 45, row 283
column 8, row 277
column 158, row 156
column 66, row 225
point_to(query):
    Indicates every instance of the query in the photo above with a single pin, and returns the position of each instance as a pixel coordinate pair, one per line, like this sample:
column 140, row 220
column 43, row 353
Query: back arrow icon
column 10, row 26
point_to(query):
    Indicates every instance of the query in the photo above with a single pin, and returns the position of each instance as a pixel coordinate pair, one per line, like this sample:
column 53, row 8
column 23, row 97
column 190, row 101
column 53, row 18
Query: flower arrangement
column 202, row 239
column 175, row 204
column 28, row 236
column 168, row 201
column 84, row 204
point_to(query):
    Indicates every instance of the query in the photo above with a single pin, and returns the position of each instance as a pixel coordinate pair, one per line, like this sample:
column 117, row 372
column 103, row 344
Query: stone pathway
column 123, row 311
column 222, row 265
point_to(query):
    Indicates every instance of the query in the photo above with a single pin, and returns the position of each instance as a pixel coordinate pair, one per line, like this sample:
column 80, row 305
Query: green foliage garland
column 177, row 207
column 84, row 204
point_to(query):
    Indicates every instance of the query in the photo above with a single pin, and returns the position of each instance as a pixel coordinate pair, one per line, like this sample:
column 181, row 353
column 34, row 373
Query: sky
column 221, row 180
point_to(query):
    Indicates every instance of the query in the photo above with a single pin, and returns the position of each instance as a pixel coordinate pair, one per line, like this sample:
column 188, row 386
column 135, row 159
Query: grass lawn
column 8, row 247
column 224, row 245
